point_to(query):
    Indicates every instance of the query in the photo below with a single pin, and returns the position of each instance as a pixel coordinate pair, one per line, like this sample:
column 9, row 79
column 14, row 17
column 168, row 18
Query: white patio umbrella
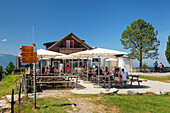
column 42, row 53
column 45, row 54
column 111, row 59
column 98, row 52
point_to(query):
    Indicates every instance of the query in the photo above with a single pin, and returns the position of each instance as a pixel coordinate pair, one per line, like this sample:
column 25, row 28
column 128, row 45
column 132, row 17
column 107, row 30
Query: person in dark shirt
column 155, row 66
column 96, row 72
column 106, row 72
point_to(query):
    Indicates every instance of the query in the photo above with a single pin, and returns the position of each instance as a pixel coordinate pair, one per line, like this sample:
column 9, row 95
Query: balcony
column 70, row 50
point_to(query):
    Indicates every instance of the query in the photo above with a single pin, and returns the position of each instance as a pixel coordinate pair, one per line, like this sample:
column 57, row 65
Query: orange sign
column 27, row 49
column 28, row 55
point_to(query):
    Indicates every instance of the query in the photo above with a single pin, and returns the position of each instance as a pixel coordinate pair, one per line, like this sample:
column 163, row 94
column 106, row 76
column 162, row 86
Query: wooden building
column 67, row 45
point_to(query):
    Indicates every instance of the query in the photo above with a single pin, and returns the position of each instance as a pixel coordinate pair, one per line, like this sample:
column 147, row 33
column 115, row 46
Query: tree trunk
column 140, row 65
column 140, row 60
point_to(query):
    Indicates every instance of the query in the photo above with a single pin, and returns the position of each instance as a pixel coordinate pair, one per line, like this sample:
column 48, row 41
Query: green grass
column 124, row 103
column 162, row 79
column 138, row 103
column 133, row 103
column 7, row 84
column 45, row 105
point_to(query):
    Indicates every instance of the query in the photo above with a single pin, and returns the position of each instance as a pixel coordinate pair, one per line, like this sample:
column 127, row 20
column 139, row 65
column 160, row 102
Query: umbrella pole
column 87, row 70
column 98, row 71
column 78, row 62
column 41, row 68
column 72, row 65
column 65, row 67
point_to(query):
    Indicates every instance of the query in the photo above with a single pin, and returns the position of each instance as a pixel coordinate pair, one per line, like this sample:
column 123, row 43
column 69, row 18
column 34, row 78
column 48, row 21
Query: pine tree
column 167, row 51
column 141, row 39
column 9, row 68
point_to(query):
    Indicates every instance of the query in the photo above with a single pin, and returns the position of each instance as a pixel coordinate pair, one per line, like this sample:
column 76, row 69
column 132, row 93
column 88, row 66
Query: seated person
column 106, row 72
column 96, row 71
column 124, row 77
column 79, row 70
column 117, row 77
column 52, row 70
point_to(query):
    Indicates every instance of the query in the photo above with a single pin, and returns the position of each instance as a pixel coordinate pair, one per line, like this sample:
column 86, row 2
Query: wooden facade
column 67, row 45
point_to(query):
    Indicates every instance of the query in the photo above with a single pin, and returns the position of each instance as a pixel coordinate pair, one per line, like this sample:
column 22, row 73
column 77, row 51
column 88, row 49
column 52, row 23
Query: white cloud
column 4, row 40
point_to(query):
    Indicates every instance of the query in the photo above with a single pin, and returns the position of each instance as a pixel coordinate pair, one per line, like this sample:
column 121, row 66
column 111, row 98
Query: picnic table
column 57, row 79
column 135, row 78
column 104, row 79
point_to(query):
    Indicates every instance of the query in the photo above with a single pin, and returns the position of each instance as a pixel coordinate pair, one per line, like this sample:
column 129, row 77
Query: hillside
column 6, row 58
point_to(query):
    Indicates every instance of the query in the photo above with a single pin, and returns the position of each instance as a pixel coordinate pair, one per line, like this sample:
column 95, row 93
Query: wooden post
column 24, row 85
column 19, row 95
column 12, row 101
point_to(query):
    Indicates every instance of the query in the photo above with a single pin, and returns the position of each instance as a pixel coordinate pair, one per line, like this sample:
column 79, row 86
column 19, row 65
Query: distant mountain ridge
column 6, row 58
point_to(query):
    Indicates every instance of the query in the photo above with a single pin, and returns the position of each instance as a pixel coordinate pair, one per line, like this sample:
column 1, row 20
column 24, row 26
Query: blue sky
column 99, row 22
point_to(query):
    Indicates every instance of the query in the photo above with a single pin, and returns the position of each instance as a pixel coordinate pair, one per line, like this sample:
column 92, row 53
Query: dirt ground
column 79, row 104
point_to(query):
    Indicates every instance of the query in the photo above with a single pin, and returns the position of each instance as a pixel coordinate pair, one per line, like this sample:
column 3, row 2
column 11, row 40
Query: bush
column 145, row 65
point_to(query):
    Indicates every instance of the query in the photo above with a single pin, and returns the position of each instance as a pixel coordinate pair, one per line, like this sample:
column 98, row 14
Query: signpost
column 29, row 55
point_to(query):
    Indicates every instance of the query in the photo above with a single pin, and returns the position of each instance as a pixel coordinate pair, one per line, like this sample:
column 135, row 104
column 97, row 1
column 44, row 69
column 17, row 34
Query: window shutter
column 64, row 43
column 71, row 44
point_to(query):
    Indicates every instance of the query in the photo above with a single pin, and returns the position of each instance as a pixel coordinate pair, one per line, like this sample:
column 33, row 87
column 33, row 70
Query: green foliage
column 141, row 39
column 1, row 72
column 145, row 65
column 9, row 68
column 167, row 51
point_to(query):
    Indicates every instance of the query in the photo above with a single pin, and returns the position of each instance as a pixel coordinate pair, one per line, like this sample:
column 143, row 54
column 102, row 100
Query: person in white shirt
column 79, row 70
column 37, row 70
column 61, row 67
column 124, row 77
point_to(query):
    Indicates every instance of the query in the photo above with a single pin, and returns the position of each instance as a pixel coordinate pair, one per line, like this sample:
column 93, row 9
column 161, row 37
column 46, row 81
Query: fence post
column 12, row 101
column 24, row 85
column 19, row 95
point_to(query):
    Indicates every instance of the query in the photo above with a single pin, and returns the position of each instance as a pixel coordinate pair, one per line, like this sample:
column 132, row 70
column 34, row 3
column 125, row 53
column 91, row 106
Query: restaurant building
column 71, row 44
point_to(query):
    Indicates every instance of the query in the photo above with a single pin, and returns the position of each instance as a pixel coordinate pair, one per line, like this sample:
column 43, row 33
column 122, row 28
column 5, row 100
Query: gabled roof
column 73, row 36
column 49, row 43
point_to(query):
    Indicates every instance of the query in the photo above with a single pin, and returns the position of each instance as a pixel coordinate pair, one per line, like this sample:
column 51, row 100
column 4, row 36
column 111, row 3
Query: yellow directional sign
column 28, row 55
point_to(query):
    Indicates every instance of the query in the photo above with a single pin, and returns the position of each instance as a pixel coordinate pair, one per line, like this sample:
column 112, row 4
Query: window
column 68, row 43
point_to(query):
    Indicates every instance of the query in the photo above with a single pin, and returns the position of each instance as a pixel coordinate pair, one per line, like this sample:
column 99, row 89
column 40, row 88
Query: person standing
column 124, row 77
column 117, row 77
column 161, row 67
column 155, row 66
column 67, row 67
column 61, row 67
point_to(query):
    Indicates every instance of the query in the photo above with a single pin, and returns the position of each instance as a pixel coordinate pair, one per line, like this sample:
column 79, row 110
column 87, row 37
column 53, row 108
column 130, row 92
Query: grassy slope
column 7, row 84
column 162, row 79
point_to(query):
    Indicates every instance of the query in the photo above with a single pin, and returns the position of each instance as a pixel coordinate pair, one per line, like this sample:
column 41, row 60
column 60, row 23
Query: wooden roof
column 73, row 36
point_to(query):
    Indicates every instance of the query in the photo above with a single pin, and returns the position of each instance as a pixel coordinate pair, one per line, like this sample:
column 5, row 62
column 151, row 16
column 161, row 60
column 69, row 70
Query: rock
column 130, row 92
column 160, row 93
column 110, row 91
